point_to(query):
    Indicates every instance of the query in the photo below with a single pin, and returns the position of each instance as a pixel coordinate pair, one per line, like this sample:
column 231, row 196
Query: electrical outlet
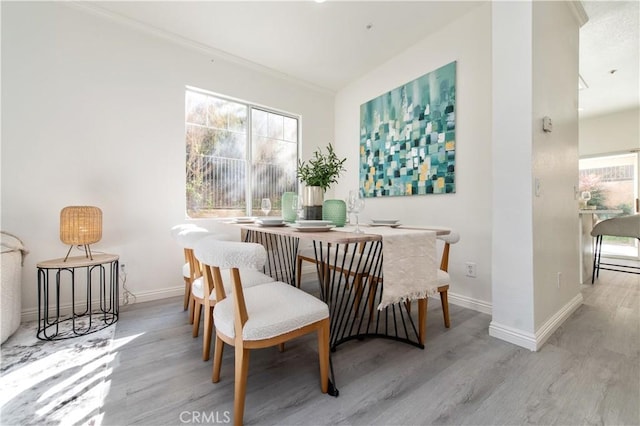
column 470, row 268
column 537, row 187
column 122, row 268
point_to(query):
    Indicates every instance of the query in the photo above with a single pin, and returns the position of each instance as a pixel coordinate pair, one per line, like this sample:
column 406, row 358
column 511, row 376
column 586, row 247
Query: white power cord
column 125, row 291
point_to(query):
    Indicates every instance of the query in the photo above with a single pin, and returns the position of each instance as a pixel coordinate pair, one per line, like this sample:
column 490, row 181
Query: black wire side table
column 93, row 286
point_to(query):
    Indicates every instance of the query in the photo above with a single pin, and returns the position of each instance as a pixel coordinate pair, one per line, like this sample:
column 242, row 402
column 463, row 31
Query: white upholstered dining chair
column 175, row 230
column 259, row 316
column 203, row 290
column 185, row 236
column 443, row 274
column 442, row 282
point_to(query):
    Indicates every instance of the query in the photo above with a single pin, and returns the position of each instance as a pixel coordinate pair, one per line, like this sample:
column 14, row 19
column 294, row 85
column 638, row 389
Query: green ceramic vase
column 335, row 211
column 289, row 214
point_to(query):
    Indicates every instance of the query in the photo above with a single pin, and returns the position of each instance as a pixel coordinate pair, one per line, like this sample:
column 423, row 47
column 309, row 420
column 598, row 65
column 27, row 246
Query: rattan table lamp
column 80, row 225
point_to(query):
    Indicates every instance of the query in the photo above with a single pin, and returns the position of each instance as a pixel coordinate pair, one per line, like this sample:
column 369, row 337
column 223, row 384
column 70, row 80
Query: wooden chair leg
column 217, row 359
column 422, row 319
column 444, row 300
column 208, row 329
column 373, row 287
column 187, row 292
column 323, row 353
column 280, row 347
column 240, row 390
column 196, row 318
column 192, row 303
column 298, row 271
column 357, row 285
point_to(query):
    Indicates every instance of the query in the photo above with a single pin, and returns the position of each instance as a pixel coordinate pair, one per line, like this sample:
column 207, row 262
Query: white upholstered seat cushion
column 186, row 270
column 249, row 277
column 230, row 254
column 175, row 230
column 443, row 278
column 189, row 236
column 452, row 237
column 274, row 309
column 621, row 226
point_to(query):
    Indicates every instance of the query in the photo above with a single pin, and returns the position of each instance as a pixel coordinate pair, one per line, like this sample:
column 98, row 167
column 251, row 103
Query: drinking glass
column 266, row 206
column 356, row 205
column 298, row 207
column 585, row 196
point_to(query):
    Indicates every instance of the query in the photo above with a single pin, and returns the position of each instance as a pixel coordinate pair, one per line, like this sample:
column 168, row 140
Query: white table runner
column 409, row 263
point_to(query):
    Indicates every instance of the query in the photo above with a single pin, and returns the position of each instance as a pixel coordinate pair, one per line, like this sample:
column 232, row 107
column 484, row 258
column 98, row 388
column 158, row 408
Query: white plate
column 272, row 219
column 384, row 221
column 246, row 219
column 271, row 224
column 313, row 223
column 390, row 225
column 313, row 228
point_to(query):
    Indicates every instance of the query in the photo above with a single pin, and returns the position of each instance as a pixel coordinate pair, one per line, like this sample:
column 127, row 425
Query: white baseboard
column 556, row 320
column 31, row 314
column 148, row 296
column 454, row 299
column 470, row 303
column 513, row 335
column 535, row 341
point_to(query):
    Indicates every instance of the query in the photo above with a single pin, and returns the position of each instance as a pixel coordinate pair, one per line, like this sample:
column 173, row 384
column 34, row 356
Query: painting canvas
column 408, row 138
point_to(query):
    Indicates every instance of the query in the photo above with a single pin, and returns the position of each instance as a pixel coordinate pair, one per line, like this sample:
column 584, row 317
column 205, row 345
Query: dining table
column 369, row 279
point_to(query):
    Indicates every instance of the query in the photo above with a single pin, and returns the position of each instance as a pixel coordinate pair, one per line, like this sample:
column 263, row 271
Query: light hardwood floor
column 587, row 373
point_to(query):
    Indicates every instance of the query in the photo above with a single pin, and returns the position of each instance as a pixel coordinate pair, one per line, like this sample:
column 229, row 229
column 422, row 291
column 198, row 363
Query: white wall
column 610, row 133
column 93, row 113
column 512, row 181
column 555, row 164
column 535, row 233
column 467, row 41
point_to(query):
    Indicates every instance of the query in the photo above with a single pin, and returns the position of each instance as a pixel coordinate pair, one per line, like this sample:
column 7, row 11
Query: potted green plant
column 318, row 174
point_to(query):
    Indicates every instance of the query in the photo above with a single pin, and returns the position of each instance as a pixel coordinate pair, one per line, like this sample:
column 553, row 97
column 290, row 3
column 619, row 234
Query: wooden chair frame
column 422, row 303
column 444, row 290
column 194, row 273
column 242, row 347
column 204, row 306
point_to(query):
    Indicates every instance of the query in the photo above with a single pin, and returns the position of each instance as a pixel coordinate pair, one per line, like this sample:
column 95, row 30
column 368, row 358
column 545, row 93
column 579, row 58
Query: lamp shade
column 80, row 225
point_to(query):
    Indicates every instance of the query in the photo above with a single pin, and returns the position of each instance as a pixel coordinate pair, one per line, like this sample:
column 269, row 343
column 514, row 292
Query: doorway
column 612, row 181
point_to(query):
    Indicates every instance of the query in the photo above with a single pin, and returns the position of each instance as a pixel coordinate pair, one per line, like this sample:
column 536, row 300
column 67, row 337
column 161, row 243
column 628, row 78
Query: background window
column 612, row 181
column 236, row 154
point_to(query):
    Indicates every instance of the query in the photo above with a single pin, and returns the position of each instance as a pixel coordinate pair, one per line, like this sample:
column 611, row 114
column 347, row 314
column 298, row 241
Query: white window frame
column 250, row 106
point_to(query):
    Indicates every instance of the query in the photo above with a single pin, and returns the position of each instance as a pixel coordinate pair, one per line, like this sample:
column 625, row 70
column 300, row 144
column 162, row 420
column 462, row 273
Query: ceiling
column 328, row 45
column 610, row 41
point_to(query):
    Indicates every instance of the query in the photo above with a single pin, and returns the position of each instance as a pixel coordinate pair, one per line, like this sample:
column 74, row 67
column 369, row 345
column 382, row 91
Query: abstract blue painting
column 408, row 138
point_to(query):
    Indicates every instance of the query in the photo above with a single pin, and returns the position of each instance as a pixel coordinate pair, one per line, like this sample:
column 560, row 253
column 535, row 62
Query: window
column 612, row 182
column 237, row 154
